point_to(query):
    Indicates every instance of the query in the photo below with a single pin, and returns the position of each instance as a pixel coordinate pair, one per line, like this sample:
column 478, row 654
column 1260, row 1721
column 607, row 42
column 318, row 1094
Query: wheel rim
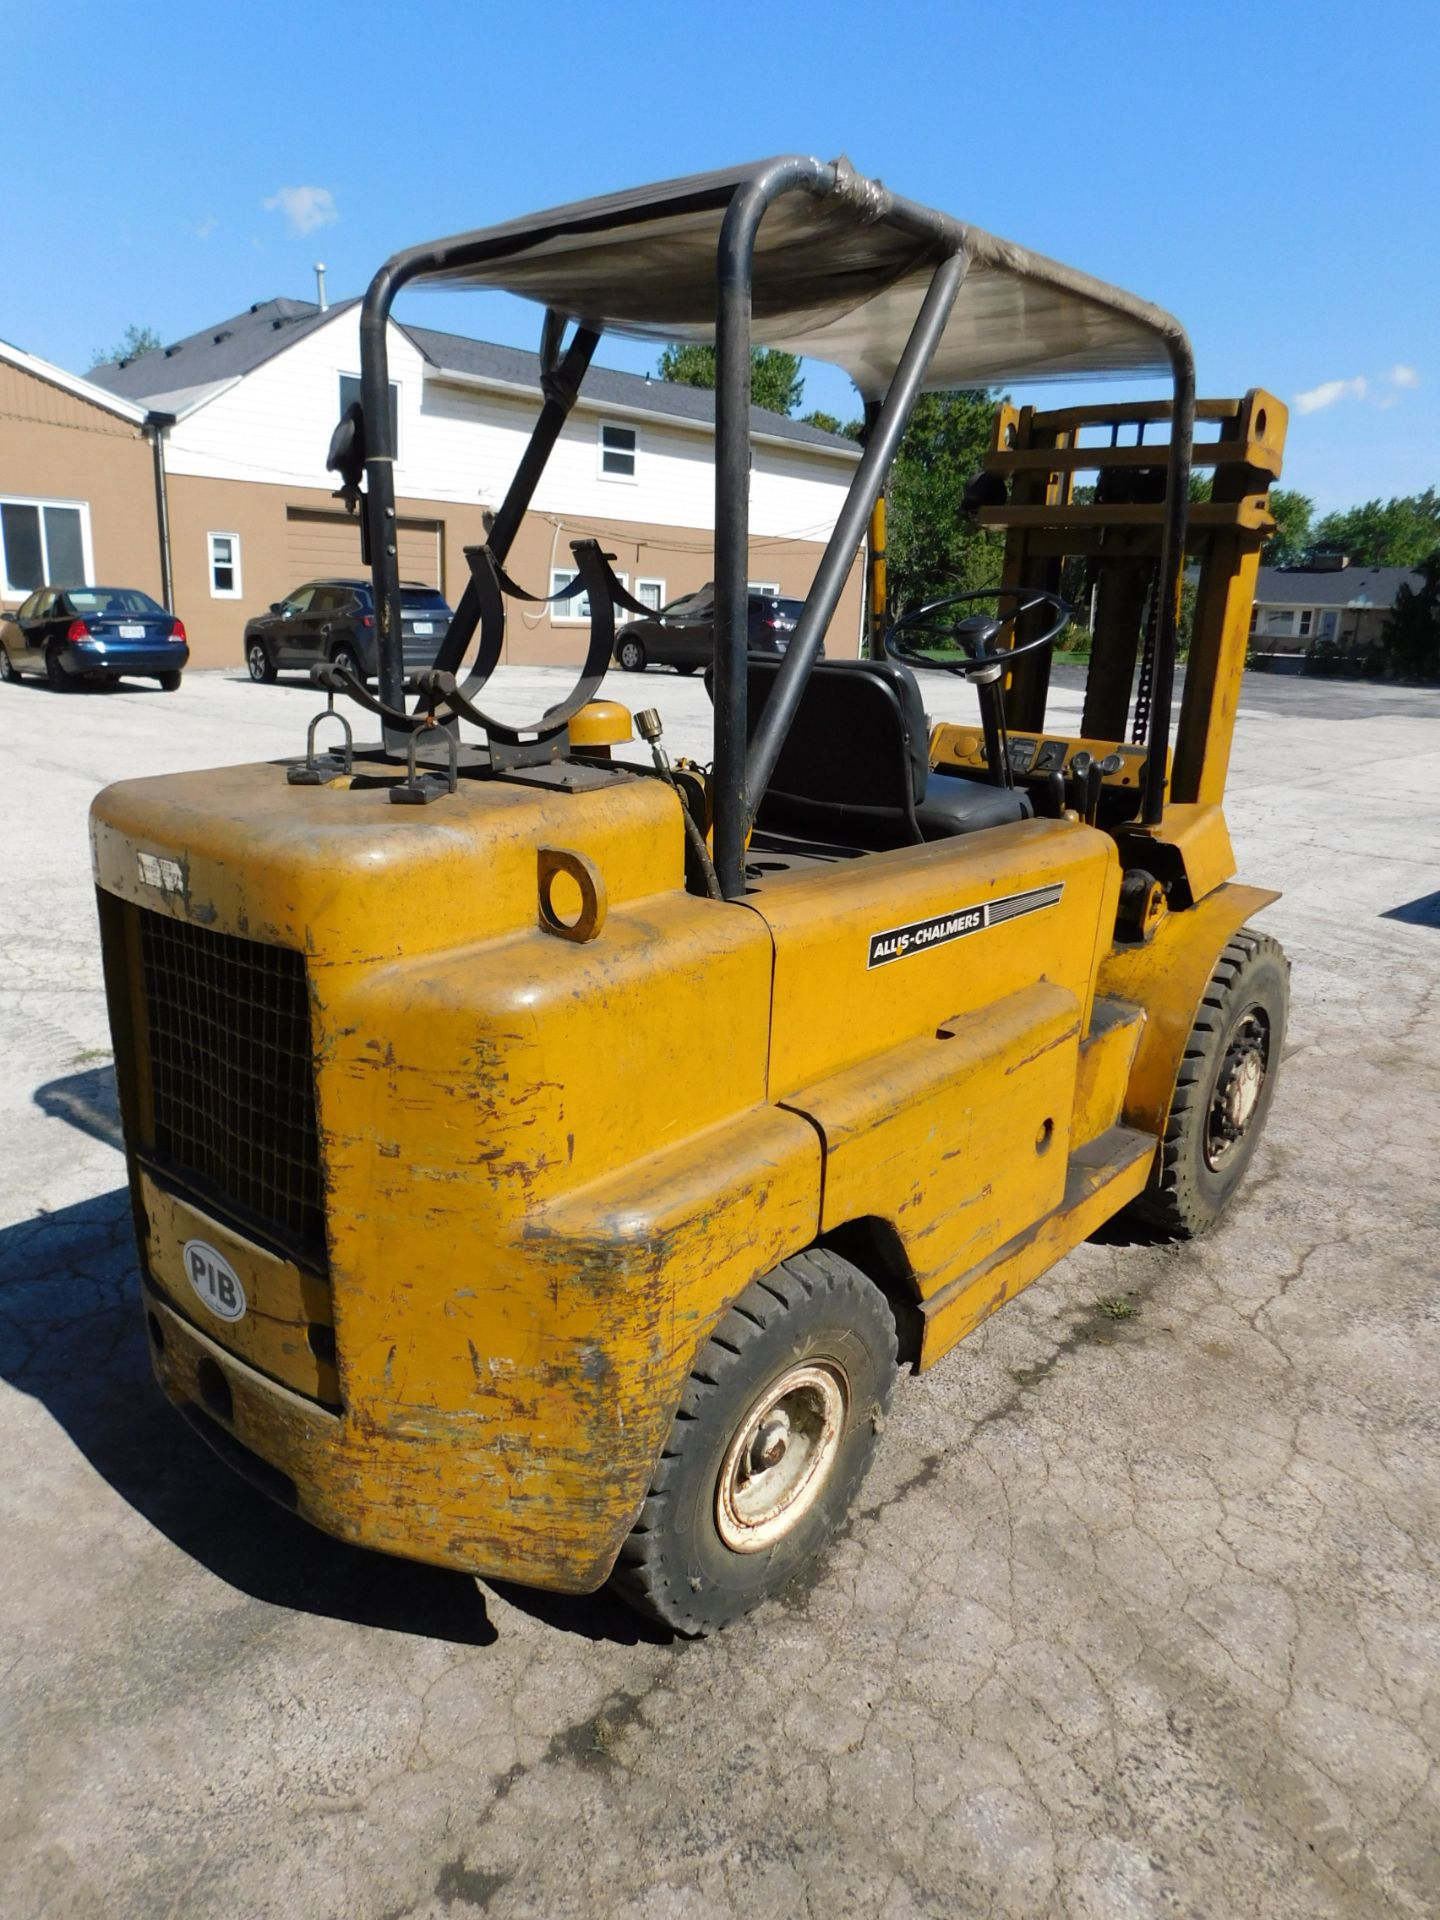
column 781, row 1456
column 630, row 655
column 1238, row 1088
column 257, row 662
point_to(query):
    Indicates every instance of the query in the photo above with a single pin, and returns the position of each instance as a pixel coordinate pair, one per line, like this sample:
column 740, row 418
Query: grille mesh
column 232, row 1090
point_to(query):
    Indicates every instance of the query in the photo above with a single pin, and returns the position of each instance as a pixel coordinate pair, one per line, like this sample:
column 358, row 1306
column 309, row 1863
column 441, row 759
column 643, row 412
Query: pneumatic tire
column 170, row 682
column 631, row 655
column 258, row 663
column 1223, row 1090
column 59, row 678
column 775, row 1432
column 9, row 673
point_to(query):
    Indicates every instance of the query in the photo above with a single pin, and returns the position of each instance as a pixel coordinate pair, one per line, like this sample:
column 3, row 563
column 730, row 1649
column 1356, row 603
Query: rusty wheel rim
column 1238, row 1088
column 781, row 1456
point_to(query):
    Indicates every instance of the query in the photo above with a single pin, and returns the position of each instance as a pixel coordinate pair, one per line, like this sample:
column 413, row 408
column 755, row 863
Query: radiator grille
column 231, row 1082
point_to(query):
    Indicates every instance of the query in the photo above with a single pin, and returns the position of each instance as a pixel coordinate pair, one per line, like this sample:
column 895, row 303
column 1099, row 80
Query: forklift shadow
column 71, row 1337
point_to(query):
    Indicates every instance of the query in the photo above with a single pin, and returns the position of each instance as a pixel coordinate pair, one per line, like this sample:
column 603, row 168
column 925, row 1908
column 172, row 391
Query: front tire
column 261, row 666
column 9, row 673
column 775, row 1431
column 631, row 655
column 1223, row 1090
column 344, row 658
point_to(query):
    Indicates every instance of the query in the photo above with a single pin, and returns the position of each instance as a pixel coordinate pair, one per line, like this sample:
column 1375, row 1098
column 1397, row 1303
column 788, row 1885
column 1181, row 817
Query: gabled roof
column 175, row 378
column 217, row 354
column 607, row 387
column 71, row 383
column 1332, row 586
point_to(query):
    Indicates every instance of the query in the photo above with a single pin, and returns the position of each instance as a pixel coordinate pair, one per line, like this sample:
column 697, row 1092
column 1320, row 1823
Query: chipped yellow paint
column 283, row 1302
column 955, row 1136
column 549, row 1165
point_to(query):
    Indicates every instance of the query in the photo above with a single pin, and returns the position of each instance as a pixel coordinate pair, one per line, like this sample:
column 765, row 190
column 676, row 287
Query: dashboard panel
column 962, row 748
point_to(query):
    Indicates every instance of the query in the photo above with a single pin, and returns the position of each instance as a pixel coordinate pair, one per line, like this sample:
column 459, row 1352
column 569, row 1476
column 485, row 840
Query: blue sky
column 1269, row 174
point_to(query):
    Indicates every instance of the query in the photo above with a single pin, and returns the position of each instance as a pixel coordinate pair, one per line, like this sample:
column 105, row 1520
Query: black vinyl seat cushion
column 855, row 764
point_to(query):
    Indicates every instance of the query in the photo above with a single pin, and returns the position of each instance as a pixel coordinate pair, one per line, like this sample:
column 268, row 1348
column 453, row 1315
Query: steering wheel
column 977, row 634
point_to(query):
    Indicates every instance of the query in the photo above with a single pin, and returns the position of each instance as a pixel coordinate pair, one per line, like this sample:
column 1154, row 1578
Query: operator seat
column 855, row 765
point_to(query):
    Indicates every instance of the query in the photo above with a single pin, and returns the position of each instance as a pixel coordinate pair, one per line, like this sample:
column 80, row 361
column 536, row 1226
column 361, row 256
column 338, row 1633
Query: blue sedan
column 70, row 633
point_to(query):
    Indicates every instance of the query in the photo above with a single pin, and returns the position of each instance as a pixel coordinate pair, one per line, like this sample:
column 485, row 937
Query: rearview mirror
column 277, row 606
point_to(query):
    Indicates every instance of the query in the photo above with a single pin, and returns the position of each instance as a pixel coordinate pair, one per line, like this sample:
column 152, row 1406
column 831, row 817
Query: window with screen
column 224, row 566
column 43, row 543
column 619, row 447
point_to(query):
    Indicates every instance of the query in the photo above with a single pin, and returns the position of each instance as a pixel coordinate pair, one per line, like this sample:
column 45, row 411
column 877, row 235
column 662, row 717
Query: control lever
column 1053, row 792
column 1094, row 783
column 1080, row 765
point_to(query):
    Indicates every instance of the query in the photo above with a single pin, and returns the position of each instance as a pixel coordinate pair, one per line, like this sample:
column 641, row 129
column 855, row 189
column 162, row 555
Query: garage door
column 329, row 543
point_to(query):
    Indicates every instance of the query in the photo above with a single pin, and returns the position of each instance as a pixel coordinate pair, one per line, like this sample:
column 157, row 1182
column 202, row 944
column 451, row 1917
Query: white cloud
column 207, row 226
column 1401, row 376
column 1329, row 391
column 306, row 208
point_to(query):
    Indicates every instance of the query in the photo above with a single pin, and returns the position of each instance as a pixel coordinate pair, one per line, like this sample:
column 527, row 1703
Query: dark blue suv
column 334, row 620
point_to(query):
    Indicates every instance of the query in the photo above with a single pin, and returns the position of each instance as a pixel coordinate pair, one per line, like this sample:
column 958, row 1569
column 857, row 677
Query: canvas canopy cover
column 840, row 271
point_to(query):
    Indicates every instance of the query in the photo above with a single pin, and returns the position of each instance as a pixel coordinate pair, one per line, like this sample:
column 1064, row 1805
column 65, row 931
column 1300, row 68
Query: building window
column 618, row 448
column 1307, row 618
column 1279, row 620
column 224, row 566
column 577, row 607
column 650, row 593
column 44, row 543
column 350, row 393
column 762, row 586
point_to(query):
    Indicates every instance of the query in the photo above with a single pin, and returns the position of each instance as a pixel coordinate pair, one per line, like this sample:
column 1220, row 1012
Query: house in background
column 244, row 412
column 1327, row 600
column 77, row 483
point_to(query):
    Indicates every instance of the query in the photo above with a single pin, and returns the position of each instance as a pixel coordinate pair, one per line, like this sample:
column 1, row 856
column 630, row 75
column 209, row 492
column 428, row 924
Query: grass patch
column 1117, row 1307
column 90, row 1056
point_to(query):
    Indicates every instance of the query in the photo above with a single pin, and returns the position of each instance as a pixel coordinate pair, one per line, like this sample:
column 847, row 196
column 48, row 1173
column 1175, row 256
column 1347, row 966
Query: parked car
column 92, row 633
column 682, row 635
column 334, row 620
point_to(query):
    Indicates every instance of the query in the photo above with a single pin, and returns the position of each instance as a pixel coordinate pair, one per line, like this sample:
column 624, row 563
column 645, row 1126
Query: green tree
column 775, row 379
column 1385, row 533
column 1411, row 636
column 133, row 342
column 933, row 549
column 1292, row 537
column 826, row 422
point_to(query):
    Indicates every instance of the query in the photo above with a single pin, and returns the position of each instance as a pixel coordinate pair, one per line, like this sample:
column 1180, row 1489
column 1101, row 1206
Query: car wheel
column 344, row 658
column 56, row 674
column 772, row 1438
column 9, row 672
column 262, row 667
column 170, row 682
column 687, row 666
column 631, row 656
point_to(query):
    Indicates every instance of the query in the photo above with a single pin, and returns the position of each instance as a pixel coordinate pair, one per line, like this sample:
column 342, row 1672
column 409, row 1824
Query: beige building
column 77, row 483
column 238, row 509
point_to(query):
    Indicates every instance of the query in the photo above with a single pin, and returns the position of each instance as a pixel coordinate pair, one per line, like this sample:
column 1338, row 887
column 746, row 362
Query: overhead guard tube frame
column 733, row 275
column 1170, row 577
column 835, row 563
column 561, row 375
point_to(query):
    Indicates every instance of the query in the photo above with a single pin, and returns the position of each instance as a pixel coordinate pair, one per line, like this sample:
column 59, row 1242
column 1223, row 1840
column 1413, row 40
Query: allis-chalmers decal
column 903, row 943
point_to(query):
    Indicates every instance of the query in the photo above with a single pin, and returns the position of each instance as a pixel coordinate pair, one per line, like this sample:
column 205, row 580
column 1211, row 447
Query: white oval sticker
column 215, row 1280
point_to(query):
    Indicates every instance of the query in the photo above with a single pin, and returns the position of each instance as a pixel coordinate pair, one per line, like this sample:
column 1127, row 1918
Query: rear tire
column 9, row 673
column 775, row 1431
column 631, row 655
column 259, row 663
column 344, row 658
column 1223, row 1090
column 170, row 682
column 59, row 679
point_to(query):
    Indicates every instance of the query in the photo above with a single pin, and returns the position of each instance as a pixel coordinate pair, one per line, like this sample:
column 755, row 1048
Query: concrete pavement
column 1139, row 1616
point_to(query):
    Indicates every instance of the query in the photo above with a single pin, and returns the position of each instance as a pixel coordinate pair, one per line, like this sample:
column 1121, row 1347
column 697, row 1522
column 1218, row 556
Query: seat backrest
column 857, row 750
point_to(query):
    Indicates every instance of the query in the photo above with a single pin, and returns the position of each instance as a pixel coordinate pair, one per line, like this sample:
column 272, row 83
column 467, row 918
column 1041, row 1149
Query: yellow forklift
column 544, row 1160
